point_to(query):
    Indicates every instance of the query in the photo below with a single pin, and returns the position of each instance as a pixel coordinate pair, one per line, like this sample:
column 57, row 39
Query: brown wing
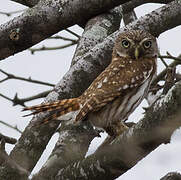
column 117, row 79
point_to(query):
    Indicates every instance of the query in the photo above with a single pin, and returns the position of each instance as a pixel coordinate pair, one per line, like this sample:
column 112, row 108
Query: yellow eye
column 125, row 43
column 147, row 44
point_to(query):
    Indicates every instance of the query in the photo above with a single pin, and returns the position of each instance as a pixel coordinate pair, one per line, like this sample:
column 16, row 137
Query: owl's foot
column 116, row 129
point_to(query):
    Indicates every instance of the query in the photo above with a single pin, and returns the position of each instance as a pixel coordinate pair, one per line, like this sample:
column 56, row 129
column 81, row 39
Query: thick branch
column 172, row 176
column 45, row 19
column 132, row 4
column 129, row 6
column 110, row 161
column 96, row 30
column 16, row 36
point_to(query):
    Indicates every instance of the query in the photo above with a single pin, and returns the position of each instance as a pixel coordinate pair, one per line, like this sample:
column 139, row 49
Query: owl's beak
column 136, row 53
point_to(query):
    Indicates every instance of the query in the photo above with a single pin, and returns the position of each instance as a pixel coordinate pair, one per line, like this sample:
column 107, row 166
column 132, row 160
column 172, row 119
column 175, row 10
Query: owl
column 117, row 91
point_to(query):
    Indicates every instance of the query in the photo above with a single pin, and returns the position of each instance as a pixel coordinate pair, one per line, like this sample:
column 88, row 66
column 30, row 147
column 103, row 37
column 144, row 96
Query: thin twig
column 12, row 76
column 161, row 75
column 10, row 126
column 51, row 48
column 73, row 33
column 163, row 61
column 11, row 13
column 63, row 38
column 17, row 101
column 172, row 58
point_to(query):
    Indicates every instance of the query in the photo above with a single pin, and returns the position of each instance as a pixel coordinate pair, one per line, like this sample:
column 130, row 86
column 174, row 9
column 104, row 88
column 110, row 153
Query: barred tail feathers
column 57, row 108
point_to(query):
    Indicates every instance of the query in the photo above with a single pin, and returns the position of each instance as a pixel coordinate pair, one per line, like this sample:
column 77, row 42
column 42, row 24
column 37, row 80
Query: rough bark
column 133, row 3
column 49, row 17
column 45, row 19
column 172, row 176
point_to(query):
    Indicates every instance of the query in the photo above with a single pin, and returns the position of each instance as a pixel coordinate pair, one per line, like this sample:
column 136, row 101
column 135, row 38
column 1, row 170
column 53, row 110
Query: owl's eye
column 147, row 44
column 125, row 43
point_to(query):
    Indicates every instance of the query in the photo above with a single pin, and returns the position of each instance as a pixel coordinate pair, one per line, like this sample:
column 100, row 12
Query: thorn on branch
column 18, row 101
column 12, row 76
column 43, row 48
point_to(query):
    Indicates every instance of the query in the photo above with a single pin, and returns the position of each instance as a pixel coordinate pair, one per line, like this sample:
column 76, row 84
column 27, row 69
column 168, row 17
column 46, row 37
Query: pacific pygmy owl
column 117, row 91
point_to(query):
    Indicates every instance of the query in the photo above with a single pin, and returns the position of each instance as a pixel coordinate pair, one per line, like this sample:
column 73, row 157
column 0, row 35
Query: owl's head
column 136, row 44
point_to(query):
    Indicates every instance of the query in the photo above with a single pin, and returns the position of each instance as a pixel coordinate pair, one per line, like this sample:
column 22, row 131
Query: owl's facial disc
column 136, row 45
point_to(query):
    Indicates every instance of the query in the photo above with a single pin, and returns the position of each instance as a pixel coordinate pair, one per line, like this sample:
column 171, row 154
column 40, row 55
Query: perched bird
column 117, row 91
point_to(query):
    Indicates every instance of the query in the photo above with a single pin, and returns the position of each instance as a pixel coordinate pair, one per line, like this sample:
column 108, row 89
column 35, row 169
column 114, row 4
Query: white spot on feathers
column 99, row 85
column 137, row 77
column 125, row 86
column 82, row 172
column 105, row 80
column 132, row 80
column 115, row 69
column 99, row 167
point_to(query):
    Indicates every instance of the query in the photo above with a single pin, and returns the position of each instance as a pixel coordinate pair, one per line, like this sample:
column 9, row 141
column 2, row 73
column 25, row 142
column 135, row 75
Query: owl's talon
column 116, row 129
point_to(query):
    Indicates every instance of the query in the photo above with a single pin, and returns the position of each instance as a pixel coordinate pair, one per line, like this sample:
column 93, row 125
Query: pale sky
column 50, row 66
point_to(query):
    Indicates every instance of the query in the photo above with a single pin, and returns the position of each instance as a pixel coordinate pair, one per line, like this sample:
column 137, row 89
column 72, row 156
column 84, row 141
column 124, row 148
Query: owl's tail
column 57, row 108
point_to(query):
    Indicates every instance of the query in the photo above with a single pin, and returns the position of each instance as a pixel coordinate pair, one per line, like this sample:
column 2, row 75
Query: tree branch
column 33, row 50
column 132, row 4
column 6, row 160
column 21, row 101
column 162, row 74
column 10, row 126
column 63, row 38
column 129, row 6
column 12, row 76
column 16, row 36
column 64, row 16
column 11, row 13
column 172, row 176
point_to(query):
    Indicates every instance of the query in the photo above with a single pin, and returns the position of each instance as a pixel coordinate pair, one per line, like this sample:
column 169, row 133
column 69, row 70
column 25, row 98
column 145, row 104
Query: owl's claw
column 116, row 129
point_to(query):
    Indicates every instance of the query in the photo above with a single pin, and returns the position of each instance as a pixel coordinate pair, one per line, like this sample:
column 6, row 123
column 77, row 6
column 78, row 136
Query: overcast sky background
column 50, row 66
